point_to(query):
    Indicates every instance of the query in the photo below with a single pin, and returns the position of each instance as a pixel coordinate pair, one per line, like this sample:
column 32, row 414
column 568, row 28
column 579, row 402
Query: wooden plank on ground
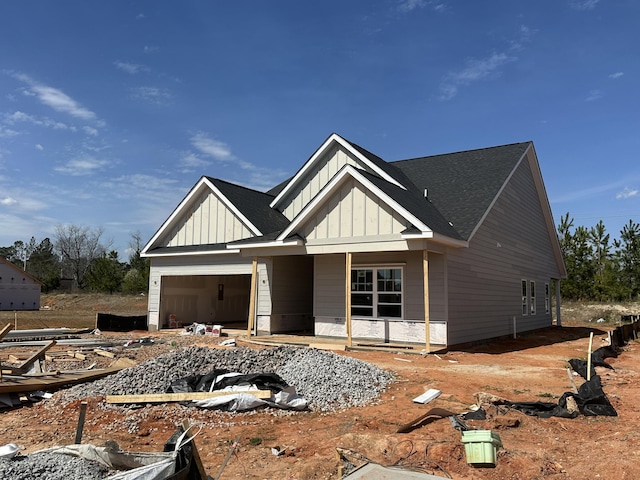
column 39, row 355
column 179, row 397
column 21, row 384
column 328, row 346
column 5, row 330
column 104, row 353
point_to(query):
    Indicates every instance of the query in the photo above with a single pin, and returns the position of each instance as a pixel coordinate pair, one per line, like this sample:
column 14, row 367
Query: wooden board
column 20, row 384
column 179, row 397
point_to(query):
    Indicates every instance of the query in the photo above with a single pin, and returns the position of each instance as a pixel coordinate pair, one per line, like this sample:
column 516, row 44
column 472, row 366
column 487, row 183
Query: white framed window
column 532, row 297
column 547, row 299
column 377, row 292
column 525, row 298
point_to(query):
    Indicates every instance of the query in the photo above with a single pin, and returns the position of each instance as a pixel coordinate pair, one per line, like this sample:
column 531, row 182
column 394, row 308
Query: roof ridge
column 462, row 151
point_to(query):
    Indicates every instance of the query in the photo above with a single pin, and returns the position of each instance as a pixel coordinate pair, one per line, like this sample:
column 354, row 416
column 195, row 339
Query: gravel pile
column 50, row 466
column 328, row 381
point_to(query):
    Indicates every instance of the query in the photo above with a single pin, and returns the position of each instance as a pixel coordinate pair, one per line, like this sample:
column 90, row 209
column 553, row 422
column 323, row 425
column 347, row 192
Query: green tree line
column 598, row 267
column 80, row 258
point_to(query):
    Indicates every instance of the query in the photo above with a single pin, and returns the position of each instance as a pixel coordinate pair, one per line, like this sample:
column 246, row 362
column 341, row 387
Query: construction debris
column 328, row 381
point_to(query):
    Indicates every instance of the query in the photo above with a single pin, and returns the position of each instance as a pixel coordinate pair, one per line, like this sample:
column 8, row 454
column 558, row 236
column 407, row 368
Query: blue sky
column 111, row 111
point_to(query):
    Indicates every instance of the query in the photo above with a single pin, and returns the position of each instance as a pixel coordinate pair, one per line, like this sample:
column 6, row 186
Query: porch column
column 425, row 271
column 558, row 315
column 252, row 297
column 347, row 296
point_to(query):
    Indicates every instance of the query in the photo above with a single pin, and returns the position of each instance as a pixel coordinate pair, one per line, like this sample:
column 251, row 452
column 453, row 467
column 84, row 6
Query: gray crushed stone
column 50, row 466
column 327, row 380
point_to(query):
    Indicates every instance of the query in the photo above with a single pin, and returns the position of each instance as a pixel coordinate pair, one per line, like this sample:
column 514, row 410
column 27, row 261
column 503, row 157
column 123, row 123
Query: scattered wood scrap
column 179, row 397
column 51, row 381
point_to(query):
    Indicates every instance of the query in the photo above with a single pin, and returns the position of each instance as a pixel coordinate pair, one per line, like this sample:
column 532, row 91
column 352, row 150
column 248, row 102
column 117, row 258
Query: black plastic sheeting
column 597, row 360
column 590, row 399
column 108, row 322
column 202, row 383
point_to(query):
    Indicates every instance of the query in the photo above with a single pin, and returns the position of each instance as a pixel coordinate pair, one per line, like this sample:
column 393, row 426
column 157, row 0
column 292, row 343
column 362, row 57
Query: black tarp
column 202, row 383
column 108, row 322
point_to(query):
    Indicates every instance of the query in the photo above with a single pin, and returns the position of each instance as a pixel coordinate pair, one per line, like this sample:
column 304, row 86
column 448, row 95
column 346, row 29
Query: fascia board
column 276, row 243
column 436, row 237
column 330, row 187
column 333, row 138
column 195, row 190
column 546, row 209
column 189, row 254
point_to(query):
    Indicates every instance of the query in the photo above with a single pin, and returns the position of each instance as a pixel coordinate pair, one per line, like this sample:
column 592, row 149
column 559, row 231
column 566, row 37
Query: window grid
column 379, row 299
column 532, row 297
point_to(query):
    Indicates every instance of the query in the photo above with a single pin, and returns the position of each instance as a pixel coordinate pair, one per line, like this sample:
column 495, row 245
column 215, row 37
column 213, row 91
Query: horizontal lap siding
column 329, row 285
column 330, row 282
column 484, row 280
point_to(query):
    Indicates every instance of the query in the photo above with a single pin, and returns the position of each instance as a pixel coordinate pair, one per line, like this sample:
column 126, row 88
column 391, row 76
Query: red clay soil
column 530, row 368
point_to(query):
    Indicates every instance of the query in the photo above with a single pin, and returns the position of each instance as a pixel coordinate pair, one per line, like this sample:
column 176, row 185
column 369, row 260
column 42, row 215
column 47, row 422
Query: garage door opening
column 209, row 299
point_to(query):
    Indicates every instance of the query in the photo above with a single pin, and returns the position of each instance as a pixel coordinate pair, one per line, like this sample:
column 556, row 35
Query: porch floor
column 330, row 343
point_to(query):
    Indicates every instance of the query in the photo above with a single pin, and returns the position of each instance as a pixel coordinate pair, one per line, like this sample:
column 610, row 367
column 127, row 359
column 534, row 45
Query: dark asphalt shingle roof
column 462, row 185
column 254, row 205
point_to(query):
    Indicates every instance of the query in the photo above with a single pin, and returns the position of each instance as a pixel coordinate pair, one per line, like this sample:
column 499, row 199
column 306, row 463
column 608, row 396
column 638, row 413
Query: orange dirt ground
column 529, row 368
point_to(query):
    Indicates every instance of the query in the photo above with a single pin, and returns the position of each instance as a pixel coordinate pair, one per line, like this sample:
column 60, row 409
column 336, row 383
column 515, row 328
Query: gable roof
column 375, row 163
column 463, row 185
column 446, row 196
column 20, row 271
column 254, row 205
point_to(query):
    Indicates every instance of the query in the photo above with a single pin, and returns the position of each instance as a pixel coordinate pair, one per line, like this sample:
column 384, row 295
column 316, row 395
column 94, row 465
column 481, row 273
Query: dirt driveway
column 529, row 368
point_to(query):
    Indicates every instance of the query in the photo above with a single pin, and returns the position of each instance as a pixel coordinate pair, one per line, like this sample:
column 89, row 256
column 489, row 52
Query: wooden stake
column 589, row 357
column 235, row 444
column 83, row 413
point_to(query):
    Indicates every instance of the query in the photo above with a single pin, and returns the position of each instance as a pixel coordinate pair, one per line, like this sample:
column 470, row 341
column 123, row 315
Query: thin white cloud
column 8, row 201
column 616, row 75
column 474, row 71
column 39, row 147
column 7, row 132
column 406, row 6
column 216, row 149
column 150, row 49
column 155, row 95
column 131, row 68
column 191, row 161
column 251, row 175
column 627, row 193
column 90, row 131
column 55, row 98
column 583, row 4
column 593, row 95
column 18, row 116
column 82, row 166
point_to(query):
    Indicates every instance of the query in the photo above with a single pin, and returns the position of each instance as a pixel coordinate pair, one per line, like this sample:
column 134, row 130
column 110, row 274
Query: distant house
column 18, row 289
column 356, row 247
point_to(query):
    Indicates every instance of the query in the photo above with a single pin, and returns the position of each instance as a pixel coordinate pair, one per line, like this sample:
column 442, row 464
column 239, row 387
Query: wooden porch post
column 425, row 271
column 558, row 316
column 252, row 296
column 347, row 296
